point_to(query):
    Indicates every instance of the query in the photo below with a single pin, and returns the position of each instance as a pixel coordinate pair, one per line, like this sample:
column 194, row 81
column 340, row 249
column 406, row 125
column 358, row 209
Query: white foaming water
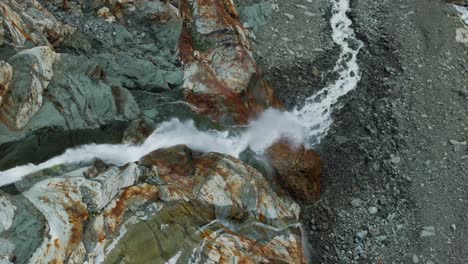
column 259, row 135
column 316, row 115
column 464, row 13
column 308, row 124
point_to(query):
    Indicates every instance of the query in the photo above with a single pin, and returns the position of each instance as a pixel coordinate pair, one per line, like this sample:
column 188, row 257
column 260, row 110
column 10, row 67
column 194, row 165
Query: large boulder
column 32, row 72
column 24, row 23
column 299, row 170
column 174, row 205
column 222, row 78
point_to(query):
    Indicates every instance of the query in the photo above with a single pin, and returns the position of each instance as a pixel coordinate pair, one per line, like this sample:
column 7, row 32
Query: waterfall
column 316, row 115
column 307, row 125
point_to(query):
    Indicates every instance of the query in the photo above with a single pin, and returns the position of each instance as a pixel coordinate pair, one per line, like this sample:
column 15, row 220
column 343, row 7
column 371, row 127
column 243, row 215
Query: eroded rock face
column 175, row 204
column 7, row 211
column 6, row 73
column 299, row 170
column 221, row 77
column 32, row 73
column 73, row 74
column 15, row 25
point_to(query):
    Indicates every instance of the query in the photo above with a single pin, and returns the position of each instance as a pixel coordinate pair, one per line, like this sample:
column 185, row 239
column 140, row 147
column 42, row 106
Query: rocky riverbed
column 213, row 186
column 394, row 188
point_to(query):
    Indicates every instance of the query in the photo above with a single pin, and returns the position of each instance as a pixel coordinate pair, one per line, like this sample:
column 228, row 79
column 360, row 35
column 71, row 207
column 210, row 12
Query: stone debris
column 290, row 16
column 427, row 231
column 356, row 202
column 372, row 210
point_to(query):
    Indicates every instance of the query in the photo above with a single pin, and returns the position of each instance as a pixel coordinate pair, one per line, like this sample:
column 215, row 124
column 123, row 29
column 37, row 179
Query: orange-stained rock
column 222, row 78
column 218, row 210
column 32, row 72
column 224, row 82
column 6, row 73
column 299, row 170
column 23, row 26
column 197, row 209
column 133, row 195
column 176, row 161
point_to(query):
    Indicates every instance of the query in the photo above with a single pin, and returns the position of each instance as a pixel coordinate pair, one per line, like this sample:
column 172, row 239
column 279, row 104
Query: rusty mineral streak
column 205, row 165
column 77, row 214
column 56, row 261
column 48, row 246
column 231, row 9
column 45, row 199
column 6, row 73
column 57, row 243
column 265, row 251
column 186, row 41
column 184, row 8
column 145, row 191
column 21, row 30
column 186, row 45
column 176, row 164
column 222, row 100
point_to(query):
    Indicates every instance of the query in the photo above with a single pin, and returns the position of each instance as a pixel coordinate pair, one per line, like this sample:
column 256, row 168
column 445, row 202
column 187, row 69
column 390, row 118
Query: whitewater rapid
column 463, row 13
column 306, row 125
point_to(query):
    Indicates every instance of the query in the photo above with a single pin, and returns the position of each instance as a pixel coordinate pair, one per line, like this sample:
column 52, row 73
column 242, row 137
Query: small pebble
column 356, row 202
column 361, row 235
column 426, row 233
column 301, row 6
column 372, row 210
column 290, row 16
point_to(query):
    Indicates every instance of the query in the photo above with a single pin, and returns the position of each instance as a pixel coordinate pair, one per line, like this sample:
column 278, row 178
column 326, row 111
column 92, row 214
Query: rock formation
column 109, row 71
column 174, row 203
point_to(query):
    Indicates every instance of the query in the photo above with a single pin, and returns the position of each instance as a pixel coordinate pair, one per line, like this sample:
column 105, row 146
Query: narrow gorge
column 307, row 124
column 220, row 131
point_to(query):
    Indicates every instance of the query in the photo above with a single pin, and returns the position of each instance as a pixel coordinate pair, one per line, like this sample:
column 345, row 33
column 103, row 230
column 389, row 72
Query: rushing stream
column 463, row 12
column 308, row 125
